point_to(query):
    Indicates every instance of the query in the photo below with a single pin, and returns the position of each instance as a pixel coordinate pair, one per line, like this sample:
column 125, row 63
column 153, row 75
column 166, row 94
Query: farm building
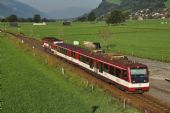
column 39, row 24
column 66, row 23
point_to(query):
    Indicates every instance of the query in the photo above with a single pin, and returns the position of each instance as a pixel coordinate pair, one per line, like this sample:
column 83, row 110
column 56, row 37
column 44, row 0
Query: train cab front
column 139, row 80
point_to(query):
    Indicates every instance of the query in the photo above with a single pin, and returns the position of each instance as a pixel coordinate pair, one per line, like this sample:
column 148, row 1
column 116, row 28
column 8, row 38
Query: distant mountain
column 129, row 5
column 8, row 7
column 68, row 12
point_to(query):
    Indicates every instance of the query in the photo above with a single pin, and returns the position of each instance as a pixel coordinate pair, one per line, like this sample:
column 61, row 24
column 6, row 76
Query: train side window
column 59, row 50
column 65, row 51
column 86, row 60
column 106, row 68
column 124, row 75
column 111, row 71
column 80, row 58
column 118, row 73
column 73, row 54
column 100, row 67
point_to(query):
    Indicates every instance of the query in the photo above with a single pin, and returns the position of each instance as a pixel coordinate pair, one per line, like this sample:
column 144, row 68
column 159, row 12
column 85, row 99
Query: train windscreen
column 139, row 76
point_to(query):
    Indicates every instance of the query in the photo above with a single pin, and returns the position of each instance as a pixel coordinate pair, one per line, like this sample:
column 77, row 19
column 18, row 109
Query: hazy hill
column 68, row 12
column 8, row 7
column 129, row 5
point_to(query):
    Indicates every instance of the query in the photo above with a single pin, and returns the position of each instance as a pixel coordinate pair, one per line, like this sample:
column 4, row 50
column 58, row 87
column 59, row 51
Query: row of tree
column 91, row 17
column 36, row 18
column 114, row 17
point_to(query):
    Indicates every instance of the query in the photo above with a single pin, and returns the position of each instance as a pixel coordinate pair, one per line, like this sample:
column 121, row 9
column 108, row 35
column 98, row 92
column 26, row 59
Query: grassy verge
column 28, row 85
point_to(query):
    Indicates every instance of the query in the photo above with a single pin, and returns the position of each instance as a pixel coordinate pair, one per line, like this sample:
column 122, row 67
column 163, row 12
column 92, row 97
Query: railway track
column 152, row 104
column 144, row 102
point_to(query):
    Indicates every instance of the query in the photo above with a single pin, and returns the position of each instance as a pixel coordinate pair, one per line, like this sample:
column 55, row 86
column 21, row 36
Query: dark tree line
column 36, row 18
column 90, row 17
column 115, row 17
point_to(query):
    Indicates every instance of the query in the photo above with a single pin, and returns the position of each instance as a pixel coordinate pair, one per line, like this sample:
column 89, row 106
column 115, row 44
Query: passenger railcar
column 128, row 76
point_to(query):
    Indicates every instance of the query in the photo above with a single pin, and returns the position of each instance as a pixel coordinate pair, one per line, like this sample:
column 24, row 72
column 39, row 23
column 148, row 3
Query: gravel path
column 158, row 70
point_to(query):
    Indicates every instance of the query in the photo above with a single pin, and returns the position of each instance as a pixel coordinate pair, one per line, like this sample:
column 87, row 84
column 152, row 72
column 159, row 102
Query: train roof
column 51, row 39
column 121, row 63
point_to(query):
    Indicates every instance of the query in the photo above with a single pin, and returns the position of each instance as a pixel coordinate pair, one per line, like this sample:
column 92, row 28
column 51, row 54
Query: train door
column 95, row 67
column 69, row 53
column 77, row 56
column 91, row 63
column 124, row 75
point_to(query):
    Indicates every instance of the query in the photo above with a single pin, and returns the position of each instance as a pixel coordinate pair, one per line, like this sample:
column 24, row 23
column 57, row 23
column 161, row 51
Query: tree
column 12, row 18
column 115, row 17
column 91, row 17
column 82, row 19
column 3, row 20
column 126, row 15
column 105, row 34
column 37, row 18
column 30, row 20
column 45, row 20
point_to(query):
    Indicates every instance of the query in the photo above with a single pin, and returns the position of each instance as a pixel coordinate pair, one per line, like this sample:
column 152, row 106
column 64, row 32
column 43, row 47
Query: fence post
column 22, row 41
column 92, row 87
column 62, row 70
column 124, row 103
column 33, row 50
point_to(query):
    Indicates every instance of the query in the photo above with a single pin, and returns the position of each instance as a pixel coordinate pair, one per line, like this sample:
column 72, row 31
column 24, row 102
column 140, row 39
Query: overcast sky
column 51, row 5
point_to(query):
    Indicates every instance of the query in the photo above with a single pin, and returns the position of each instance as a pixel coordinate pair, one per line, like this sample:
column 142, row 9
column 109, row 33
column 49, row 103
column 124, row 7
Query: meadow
column 146, row 39
column 29, row 85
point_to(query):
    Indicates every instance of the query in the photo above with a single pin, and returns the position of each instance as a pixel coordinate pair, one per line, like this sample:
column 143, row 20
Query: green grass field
column 148, row 38
column 29, row 86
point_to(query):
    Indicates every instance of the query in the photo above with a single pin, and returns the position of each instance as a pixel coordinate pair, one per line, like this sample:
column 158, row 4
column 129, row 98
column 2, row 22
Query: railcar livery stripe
column 104, row 74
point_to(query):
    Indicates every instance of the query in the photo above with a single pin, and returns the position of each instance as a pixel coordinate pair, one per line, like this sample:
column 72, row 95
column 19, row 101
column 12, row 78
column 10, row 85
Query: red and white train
column 129, row 76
